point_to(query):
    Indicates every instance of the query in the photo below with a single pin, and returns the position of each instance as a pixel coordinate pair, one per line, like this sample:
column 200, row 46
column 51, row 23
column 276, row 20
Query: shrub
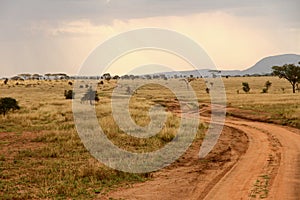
column 7, row 104
column 264, row 90
column 246, row 87
column 91, row 95
column 5, row 81
column 69, row 94
column 268, row 84
column 207, row 90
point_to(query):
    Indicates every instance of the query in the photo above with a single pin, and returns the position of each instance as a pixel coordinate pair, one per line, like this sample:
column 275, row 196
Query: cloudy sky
column 40, row 36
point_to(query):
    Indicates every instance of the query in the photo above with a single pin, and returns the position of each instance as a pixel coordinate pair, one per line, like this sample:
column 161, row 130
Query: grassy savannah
column 41, row 155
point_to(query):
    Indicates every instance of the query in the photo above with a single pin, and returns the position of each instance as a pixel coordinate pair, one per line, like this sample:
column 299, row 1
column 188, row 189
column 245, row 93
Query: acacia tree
column 91, row 95
column 289, row 72
column 107, row 76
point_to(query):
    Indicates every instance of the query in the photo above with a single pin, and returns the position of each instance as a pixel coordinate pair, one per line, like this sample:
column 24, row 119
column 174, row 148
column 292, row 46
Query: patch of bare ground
column 12, row 143
column 189, row 177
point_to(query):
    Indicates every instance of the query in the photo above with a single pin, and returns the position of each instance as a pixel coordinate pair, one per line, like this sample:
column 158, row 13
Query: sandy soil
column 252, row 160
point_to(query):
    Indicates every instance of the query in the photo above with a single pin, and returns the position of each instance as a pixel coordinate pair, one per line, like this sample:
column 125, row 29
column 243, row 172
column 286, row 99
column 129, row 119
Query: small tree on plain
column 69, row 94
column 246, row 87
column 5, row 81
column 8, row 104
column 91, row 95
column 268, row 84
column 207, row 90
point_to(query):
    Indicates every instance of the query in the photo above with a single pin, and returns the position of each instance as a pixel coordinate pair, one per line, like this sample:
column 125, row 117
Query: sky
column 49, row 36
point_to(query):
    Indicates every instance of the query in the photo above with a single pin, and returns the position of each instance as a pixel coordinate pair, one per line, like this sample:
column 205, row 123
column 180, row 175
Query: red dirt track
column 252, row 160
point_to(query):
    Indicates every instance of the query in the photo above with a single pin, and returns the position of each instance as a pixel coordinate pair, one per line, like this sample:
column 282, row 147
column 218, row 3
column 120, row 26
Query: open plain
column 256, row 157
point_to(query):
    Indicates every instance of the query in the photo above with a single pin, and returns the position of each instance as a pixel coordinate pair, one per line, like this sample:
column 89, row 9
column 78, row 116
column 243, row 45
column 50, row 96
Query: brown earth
column 252, row 160
column 18, row 141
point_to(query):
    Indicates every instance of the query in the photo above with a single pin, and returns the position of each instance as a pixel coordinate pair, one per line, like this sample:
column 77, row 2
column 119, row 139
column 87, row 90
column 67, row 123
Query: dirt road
column 252, row 160
column 269, row 169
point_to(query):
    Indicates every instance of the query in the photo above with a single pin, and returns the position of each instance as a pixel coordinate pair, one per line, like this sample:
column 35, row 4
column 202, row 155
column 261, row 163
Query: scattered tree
column 215, row 73
column 187, row 81
column 69, row 94
column 100, row 83
column 107, row 76
column 207, row 90
column 7, row 104
column 148, row 77
column 116, row 77
column 91, row 95
column 246, row 87
column 289, row 72
column 5, row 81
column 268, row 84
column 264, row 90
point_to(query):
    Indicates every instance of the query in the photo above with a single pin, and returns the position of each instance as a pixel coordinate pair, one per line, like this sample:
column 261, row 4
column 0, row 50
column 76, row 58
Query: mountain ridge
column 262, row 67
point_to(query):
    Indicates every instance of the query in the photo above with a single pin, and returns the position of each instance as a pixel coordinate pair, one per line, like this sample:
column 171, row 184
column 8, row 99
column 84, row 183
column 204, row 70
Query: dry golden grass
column 278, row 105
column 41, row 155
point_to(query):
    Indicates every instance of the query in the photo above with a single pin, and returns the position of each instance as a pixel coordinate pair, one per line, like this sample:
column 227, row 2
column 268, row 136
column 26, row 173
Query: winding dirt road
column 252, row 160
column 269, row 169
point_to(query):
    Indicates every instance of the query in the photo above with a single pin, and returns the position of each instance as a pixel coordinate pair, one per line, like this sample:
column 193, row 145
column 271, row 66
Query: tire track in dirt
column 275, row 154
column 239, row 181
column 287, row 182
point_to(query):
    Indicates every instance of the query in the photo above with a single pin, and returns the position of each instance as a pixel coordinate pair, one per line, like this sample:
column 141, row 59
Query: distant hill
column 265, row 65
